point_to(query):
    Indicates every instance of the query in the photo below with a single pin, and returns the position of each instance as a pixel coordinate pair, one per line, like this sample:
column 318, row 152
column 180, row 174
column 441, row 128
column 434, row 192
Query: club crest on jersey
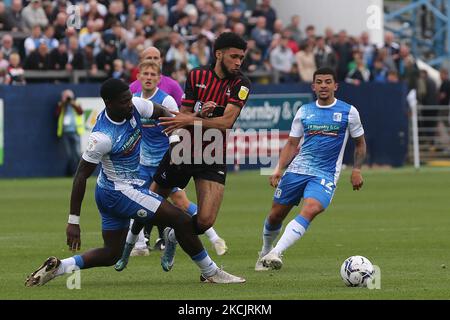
column 133, row 122
column 243, row 93
column 141, row 213
column 337, row 116
column 278, row 193
column 91, row 144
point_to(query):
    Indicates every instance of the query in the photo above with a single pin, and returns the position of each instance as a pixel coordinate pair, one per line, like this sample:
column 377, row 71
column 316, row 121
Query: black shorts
column 169, row 175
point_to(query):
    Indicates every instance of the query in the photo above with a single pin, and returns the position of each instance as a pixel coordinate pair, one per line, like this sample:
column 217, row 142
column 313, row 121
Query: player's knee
column 311, row 210
column 204, row 224
column 180, row 200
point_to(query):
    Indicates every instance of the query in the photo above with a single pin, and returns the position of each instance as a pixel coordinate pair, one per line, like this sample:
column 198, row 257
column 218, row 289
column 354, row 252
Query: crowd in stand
column 109, row 35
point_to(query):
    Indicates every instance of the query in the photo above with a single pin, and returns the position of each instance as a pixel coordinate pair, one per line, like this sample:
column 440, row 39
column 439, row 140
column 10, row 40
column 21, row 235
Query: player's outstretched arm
column 160, row 111
column 84, row 171
column 359, row 156
column 287, row 154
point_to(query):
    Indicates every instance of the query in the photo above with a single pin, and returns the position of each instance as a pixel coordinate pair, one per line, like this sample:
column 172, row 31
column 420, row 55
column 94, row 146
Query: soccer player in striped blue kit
column 321, row 128
column 115, row 143
column 153, row 147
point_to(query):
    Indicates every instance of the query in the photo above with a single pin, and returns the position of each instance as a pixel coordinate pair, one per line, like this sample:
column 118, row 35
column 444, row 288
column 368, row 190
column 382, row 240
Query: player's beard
column 225, row 70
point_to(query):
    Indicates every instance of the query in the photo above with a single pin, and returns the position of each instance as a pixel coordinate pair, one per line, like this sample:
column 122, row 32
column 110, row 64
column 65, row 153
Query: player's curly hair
column 229, row 40
column 112, row 88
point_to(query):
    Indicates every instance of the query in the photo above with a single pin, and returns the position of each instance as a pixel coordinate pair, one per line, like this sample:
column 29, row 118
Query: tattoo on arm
column 360, row 152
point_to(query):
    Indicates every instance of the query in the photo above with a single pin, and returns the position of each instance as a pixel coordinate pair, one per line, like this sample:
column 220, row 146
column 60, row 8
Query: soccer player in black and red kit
column 214, row 97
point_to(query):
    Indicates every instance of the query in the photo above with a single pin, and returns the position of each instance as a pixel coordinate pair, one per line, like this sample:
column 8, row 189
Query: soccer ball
column 356, row 271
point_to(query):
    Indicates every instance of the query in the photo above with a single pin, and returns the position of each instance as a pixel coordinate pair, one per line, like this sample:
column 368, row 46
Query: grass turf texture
column 399, row 221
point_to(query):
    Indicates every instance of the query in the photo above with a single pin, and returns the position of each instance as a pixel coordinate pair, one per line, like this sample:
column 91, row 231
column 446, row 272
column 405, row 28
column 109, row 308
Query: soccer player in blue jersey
column 115, row 143
column 321, row 128
column 153, row 147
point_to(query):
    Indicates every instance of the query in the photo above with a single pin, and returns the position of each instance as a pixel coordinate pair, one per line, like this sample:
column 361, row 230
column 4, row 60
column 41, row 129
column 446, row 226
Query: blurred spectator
column 90, row 63
column 7, row 46
column 182, row 25
column 444, row 89
column 38, row 59
column 427, row 94
column 118, row 71
column 32, row 42
column 392, row 76
column 294, row 27
column 60, row 25
column 282, row 60
column 89, row 35
column 15, row 70
column 291, row 41
column 49, row 37
column 253, row 60
column 162, row 32
column 406, row 67
column 177, row 54
column 426, row 22
column 176, row 10
column 144, row 7
column 33, row 14
column 4, row 64
column 203, row 51
column 60, row 6
column 235, row 5
column 265, row 10
column 368, row 49
column 161, row 8
column 261, row 35
column 310, row 33
column 107, row 56
column 70, row 127
column 14, row 16
column 75, row 55
column 330, row 37
column 4, row 22
column 59, row 57
column 4, row 76
column 306, row 63
column 324, row 55
column 94, row 10
column 392, row 47
column 131, row 17
column 379, row 71
column 358, row 72
column 130, row 53
column 240, row 29
column 278, row 26
column 344, row 53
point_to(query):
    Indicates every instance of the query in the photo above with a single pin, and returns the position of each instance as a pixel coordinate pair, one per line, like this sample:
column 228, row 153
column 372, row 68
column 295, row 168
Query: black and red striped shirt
column 204, row 85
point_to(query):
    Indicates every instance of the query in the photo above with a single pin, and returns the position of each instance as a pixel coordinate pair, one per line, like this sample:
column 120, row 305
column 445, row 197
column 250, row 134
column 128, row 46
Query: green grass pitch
column 399, row 220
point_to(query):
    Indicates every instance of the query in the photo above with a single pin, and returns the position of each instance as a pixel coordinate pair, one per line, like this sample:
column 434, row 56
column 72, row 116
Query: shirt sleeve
column 239, row 92
column 98, row 145
column 143, row 106
column 297, row 126
column 189, row 97
column 170, row 103
column 354, row 123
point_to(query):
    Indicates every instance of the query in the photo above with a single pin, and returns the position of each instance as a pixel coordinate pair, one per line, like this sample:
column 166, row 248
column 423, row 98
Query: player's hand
column 180, row 120
column 275, row 178
column 207, row 109
column 73, row 237
column 356, row 179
